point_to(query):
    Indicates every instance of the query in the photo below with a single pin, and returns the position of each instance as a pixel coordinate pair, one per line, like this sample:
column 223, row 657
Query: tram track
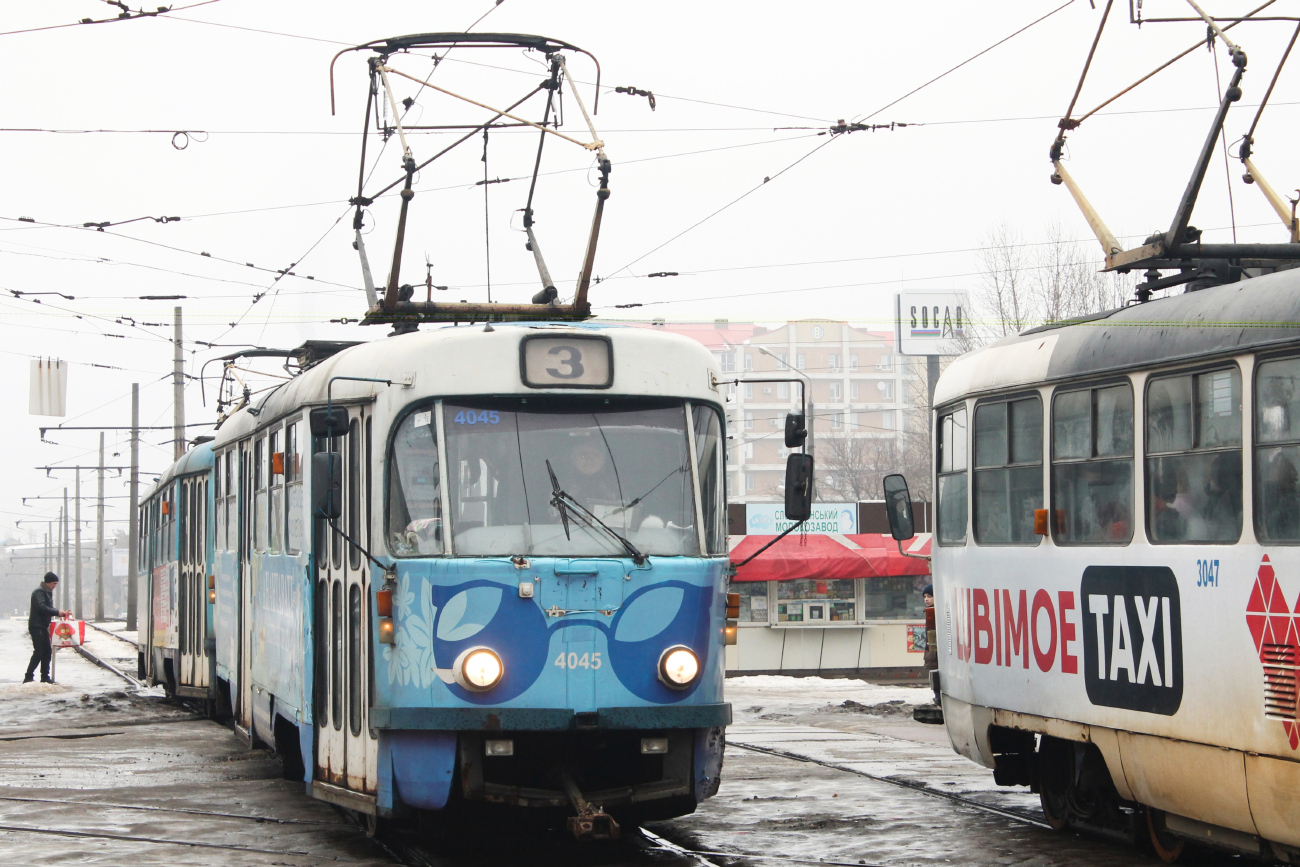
column 105, row 664
column 270, row 820
column 163, row 841
column 920, row 788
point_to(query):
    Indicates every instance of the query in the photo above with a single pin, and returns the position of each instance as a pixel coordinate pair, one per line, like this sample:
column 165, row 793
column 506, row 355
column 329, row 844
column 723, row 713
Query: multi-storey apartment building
column 858, row 386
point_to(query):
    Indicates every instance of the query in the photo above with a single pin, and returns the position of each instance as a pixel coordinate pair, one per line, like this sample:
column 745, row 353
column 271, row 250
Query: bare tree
column 1023, row 285
column 1004, row 299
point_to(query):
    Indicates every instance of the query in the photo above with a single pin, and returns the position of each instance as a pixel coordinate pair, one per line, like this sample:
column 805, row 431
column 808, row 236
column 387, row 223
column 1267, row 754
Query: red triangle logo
column 1256, row 601
column 1256, row 623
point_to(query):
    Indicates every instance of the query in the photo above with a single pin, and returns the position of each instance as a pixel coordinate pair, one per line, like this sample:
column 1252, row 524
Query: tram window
column 275, row 482
column 625, row 460
column 1277, row 451
column 218, row 539
column 336, row 654
column 366, row 482
column 1008, row 471
column 952, row 478
column 354, row 490
column 336, row 541
column 414, row 487
column 1092, row 466
column 708, row 441
column 293, row 489
column 320, row 637
column 320, row 530
column 354, row 658
column 182, row 523
column 232, row 513
column 1193, row 465
column 259, row 496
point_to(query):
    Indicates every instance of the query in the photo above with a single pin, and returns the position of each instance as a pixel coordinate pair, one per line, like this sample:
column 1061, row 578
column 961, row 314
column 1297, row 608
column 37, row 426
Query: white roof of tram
column 467, row 360
column 1248, row 316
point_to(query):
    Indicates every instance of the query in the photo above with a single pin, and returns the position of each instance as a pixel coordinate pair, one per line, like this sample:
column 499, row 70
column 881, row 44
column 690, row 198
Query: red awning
column 860, row 555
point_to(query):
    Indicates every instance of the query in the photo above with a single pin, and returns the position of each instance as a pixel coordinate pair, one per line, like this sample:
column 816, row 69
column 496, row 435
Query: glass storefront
column 817, row 602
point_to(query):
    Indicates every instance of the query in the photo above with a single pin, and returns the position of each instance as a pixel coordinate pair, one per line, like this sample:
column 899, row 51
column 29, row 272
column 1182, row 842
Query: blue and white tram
column 175, row 578
column 1117, row 563
column 521, row 599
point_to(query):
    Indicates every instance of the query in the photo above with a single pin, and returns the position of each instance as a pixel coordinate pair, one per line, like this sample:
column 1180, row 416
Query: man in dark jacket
column 38, row 625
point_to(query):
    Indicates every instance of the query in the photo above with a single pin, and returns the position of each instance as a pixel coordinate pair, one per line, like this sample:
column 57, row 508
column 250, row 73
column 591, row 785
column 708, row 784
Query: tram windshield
column 627, row 462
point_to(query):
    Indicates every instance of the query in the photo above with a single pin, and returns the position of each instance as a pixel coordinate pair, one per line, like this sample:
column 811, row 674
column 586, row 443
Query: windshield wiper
column 563, row 502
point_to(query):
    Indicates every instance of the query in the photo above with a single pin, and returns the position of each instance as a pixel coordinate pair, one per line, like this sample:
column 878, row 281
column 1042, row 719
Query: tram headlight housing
column 678, row 667
column 478, row 669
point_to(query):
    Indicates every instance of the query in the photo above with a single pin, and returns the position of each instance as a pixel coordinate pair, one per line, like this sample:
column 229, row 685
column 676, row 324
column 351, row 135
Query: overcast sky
column 742, row 93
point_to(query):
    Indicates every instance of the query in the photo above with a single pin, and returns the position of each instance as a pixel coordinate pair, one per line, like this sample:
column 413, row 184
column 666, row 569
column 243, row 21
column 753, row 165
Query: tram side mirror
column 795, row 430
column 898, row 508
column 327, row 485
column 798, row 487
column 329, row 421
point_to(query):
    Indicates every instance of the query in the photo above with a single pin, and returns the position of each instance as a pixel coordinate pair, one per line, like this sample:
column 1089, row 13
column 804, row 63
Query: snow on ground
column 793, row 694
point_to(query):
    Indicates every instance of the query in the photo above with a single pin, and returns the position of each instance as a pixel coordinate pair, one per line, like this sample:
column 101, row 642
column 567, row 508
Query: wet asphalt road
column 93, row 772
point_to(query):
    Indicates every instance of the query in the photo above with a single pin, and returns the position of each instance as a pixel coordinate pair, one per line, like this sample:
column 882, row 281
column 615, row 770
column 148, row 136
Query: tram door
column 244, row 711
column 345, row 752
column 193, row 583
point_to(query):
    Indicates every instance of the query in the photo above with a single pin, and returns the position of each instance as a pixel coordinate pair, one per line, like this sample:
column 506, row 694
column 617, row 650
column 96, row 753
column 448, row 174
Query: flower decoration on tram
column 410, row 656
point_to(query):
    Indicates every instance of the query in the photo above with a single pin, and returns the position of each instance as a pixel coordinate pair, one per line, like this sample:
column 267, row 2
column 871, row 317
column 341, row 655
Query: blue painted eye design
column 649, row 620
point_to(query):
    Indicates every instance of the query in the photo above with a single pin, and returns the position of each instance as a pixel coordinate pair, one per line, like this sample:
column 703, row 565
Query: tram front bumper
column 527, row 719
column 607, row 766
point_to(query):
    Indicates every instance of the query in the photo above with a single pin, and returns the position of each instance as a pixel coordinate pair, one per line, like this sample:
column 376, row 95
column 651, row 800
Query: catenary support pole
column 63, row 520
column 76, row 535
column 931, row 380
column 133, row 520
column 99, row 538
column 178, row 391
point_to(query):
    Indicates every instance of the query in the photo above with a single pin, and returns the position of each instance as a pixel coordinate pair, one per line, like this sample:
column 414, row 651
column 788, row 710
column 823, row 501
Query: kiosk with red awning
column 828, row 556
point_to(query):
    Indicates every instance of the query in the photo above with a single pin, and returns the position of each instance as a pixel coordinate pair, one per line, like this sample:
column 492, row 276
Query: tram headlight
column 478, row 669
column 678, row 667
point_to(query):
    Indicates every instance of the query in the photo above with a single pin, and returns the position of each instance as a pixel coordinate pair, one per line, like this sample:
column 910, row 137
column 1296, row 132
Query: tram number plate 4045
column 1207, row 573
column 575, row 660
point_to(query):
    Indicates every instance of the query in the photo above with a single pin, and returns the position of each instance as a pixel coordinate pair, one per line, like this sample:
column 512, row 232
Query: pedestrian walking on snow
column 931, row 658
column 38, row 625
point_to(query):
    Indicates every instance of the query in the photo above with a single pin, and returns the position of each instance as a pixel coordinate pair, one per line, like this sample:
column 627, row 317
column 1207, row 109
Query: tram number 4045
column 1207, row 573
column 573, row 660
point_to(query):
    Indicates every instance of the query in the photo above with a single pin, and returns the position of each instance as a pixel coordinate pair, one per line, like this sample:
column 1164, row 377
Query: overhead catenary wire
column 973, row 57
column 125, row 16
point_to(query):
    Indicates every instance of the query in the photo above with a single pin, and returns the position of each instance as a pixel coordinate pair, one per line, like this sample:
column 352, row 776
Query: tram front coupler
column 591, row 823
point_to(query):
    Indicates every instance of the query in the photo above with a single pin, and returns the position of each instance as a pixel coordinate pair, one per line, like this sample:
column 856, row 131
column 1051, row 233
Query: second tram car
column 1117, row 566
column 462, row 565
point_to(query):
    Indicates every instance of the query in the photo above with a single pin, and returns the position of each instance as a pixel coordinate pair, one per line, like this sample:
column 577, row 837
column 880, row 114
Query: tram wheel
column 1055, row 808
column 1053, row 771
column 371, row 823
column 1166, row 846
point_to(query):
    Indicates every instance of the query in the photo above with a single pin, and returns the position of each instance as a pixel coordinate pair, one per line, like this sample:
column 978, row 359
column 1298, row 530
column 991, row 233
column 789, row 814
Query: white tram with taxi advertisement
column 1117, row 566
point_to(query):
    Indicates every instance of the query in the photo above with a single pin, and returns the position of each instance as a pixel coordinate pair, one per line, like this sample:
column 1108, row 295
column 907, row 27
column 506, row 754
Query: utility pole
column 99, row 539
column 133, row 520
column 178, row 392
column 63, row 521
column 77, row 534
